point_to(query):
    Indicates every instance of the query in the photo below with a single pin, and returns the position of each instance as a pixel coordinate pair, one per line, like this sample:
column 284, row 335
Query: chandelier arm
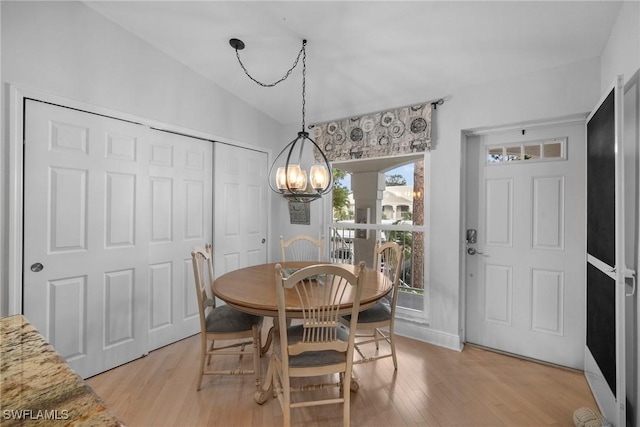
column 283, row 78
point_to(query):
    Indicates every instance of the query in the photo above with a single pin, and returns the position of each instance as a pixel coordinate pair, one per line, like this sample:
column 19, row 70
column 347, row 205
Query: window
column 401, row 219
column 534, row 151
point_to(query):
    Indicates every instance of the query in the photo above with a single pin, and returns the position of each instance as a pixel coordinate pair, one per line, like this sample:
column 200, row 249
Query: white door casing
column 240, row 208
column 85, row 210
column 525, row 286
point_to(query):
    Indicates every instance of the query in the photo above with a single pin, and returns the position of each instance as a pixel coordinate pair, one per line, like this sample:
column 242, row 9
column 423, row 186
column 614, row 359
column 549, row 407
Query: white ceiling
column 365, row 56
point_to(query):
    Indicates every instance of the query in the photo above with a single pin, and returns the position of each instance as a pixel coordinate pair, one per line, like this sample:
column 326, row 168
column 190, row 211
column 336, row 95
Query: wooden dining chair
column 223, row 323
column 301, row 248
column 320, row 345
column 388, row 261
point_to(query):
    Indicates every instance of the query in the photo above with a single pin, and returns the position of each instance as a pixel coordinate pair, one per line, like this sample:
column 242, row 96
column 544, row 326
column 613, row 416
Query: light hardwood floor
column 433, row 386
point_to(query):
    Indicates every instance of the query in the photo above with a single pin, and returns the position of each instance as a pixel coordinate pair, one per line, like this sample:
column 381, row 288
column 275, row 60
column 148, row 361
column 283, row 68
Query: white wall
column 621, row 54
column 67, row 49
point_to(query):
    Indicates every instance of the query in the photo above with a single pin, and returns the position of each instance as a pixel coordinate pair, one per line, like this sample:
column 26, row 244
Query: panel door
column 525, row 273
column 180, row 206
column 241, row 215
column 85, row 243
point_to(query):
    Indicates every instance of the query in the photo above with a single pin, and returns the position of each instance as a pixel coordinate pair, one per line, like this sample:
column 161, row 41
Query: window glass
column 402, row 216
column 494, row 155
column 531, row 152
column 551, row 149
column 513, row 153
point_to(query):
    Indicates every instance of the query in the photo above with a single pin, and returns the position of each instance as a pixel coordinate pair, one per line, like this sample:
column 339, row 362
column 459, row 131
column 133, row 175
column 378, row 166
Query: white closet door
column 85, row 246
column 112, row 213
column 180, row 206
column 241, row 212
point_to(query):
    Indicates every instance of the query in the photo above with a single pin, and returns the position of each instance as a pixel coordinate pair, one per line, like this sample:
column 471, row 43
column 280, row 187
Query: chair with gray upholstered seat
column 320, row 345
column 387, row 260
column 223, row 323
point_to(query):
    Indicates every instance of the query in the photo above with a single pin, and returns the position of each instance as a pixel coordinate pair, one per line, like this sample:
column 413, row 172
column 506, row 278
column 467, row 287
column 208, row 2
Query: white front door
column 240, row 207
column 525, row 273
column 180, row 201
column 85, row 235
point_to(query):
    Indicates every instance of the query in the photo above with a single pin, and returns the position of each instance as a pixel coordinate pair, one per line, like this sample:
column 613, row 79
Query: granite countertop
column 37, row 387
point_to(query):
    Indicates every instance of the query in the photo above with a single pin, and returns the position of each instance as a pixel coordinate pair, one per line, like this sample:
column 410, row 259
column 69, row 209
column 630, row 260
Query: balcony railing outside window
column 342, row 249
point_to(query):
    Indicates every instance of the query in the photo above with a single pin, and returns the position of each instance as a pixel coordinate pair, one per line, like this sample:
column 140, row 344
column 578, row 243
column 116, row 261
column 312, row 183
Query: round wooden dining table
column 253, row 290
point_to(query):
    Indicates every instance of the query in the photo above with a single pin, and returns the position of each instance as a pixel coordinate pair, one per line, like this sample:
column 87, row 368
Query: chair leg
column 286, row 404
column 346, row 410
column 256, row 354
column 392, row 342
column 203, row 350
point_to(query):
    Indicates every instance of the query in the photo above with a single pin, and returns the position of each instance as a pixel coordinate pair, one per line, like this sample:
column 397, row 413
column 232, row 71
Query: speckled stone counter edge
column 37, row 387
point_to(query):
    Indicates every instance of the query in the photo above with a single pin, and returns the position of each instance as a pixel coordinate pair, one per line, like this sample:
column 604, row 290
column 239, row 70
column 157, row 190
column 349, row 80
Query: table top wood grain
column 253, row 289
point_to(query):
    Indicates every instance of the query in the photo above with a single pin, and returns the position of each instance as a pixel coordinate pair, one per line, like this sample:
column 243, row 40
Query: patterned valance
column 400, row 131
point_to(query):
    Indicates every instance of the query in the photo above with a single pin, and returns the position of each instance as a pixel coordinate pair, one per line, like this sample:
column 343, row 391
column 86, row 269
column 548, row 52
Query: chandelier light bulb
column 296, row 177
column 319, row 177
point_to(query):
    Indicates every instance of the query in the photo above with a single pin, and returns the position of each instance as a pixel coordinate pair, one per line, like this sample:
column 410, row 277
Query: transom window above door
column 533, row 151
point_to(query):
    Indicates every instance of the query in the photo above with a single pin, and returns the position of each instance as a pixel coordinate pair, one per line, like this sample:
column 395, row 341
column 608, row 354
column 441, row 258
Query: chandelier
column 291, row 179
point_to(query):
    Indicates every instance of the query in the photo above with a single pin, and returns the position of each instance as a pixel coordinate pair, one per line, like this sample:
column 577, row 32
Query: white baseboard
column 422, row 332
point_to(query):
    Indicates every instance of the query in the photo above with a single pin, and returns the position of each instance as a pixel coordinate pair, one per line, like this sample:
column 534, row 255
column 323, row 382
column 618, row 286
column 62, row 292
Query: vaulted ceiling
column 365, row 56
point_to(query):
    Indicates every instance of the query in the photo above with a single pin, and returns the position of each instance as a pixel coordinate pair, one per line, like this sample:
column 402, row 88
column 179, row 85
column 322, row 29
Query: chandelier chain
column 304, row 81
column 283, row 78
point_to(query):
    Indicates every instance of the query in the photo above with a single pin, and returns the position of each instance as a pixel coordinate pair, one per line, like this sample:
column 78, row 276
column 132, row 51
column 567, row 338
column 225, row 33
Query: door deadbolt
column 37, row 267
column 472, row 236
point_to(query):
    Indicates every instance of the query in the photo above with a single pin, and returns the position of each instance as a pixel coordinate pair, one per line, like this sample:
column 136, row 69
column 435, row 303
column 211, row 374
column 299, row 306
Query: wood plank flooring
column 433, row 386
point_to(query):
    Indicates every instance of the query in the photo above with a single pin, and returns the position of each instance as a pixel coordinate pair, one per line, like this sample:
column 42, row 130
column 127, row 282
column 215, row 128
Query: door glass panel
column 494, row 155
column 513, row 153
column 552, row 150
column 531, row 152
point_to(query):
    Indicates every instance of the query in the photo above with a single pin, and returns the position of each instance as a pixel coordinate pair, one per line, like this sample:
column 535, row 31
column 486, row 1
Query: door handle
column 631, row 274
column 473, row 251
column 37, row 267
